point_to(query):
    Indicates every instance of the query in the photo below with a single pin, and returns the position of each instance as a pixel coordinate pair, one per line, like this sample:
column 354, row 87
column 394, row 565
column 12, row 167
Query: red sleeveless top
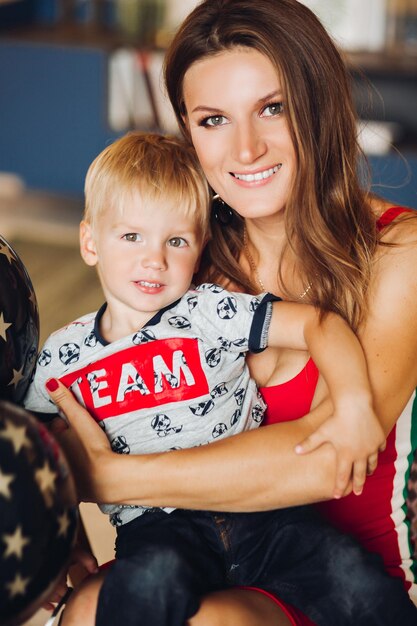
column 377, row 518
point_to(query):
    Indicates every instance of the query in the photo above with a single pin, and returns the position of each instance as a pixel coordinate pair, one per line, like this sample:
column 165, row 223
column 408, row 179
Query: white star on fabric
column 17, row 586
column 16, row 435
column 63, row 523
column 3, row 327
column 5, row 480
column 7, row 253
column 45, row 478
column 15, row 543
column 17, row 377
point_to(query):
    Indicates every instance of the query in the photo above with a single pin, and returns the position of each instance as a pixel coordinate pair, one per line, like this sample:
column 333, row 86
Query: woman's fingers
column 78, row 417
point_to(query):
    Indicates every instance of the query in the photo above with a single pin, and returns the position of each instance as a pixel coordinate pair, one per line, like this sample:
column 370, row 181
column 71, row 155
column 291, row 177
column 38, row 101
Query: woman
column 263, row 95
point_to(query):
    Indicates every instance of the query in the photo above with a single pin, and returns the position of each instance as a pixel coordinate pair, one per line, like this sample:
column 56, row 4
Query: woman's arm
column 259, row 469
column 247, row 467
column 389, row 336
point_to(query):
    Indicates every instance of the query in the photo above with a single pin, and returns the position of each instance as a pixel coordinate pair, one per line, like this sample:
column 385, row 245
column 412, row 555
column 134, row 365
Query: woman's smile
column 258, row 176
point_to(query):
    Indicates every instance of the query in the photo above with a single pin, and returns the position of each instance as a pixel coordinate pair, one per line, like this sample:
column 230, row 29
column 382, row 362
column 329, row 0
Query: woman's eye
column 177, row 242
column 273, row 109
column 132, row 237
column 214, row 120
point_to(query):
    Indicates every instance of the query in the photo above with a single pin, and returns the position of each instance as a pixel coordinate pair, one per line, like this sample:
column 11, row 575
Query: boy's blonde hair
column 162, row 168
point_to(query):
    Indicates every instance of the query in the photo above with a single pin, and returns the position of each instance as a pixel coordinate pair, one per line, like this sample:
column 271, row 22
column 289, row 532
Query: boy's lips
column 149, row 287
column 147, row 283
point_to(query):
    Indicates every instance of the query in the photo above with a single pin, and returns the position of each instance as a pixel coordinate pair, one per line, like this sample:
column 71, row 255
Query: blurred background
column 76, row 74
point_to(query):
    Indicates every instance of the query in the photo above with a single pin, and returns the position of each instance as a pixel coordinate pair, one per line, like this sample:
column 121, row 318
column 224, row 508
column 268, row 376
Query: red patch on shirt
column 140, row 377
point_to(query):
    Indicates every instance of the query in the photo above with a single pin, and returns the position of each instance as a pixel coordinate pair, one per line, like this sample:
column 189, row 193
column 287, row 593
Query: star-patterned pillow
column 38, row 513
column 19, row 325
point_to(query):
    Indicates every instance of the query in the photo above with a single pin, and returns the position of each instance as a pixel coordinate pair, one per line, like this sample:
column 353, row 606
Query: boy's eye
column 213, row 120
column 177, row 242
column 132, row 237
column 273, row 109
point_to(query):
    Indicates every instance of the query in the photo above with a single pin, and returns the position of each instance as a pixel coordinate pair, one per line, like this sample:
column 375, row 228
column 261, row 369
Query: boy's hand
column 357, row 436
column 82, row 559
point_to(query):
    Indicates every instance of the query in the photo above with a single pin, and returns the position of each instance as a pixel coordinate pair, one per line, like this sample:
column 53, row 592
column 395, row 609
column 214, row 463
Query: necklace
column 254, row 269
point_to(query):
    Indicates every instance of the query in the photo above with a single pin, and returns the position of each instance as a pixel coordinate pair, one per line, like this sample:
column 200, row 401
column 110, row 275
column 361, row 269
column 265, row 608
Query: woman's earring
column 222, row 211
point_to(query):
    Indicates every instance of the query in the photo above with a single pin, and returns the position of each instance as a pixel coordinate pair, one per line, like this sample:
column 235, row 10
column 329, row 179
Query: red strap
column 390, row 215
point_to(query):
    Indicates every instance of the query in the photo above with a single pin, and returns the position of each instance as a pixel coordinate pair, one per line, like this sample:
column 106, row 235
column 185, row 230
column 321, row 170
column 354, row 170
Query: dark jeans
column 166, row 563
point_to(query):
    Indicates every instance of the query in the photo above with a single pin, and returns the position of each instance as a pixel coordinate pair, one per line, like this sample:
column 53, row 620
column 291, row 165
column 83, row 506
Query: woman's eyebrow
column 206, row 108
column 210, row 109
column 277, row 93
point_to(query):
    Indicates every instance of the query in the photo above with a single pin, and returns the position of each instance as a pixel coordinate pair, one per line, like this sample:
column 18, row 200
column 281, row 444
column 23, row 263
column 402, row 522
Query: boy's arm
column 353, row 429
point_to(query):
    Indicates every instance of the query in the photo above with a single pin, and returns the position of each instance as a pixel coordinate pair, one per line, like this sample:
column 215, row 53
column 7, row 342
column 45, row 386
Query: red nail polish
column 52, row 384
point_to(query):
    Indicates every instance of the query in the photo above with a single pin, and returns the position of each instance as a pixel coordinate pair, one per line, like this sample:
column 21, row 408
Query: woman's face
column 237, row 121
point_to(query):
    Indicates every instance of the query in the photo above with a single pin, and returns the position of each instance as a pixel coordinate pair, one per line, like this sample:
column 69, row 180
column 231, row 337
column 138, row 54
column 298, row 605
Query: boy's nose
column 154, row 259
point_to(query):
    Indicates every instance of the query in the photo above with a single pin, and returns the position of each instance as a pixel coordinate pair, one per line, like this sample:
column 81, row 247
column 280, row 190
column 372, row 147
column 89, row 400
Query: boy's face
column 145, row 256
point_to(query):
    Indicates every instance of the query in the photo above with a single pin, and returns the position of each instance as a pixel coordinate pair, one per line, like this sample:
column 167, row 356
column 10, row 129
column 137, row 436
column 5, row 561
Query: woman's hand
column 85, row 444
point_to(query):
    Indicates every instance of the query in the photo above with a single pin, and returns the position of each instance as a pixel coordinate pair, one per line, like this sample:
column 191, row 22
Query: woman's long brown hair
column 329, row 223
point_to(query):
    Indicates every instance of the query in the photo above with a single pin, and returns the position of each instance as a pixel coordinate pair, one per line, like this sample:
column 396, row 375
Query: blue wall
column 395, row 177
column 52, row 113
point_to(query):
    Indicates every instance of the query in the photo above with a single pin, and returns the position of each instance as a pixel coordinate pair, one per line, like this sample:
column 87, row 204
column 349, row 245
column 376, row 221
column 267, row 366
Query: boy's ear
column 88, row 247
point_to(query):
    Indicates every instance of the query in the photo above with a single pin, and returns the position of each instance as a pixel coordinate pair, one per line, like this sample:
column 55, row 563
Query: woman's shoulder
column 396, row 258
column 396, row 224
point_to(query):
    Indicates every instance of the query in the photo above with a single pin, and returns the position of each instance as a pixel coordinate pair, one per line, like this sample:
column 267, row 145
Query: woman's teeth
column 249, row 178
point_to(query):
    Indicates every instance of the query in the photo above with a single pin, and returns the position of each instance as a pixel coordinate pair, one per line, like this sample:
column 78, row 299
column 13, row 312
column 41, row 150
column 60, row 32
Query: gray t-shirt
column 180, row 381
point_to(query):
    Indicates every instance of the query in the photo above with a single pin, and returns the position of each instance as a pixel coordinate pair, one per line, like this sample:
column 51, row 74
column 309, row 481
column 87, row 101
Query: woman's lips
column 257, row 176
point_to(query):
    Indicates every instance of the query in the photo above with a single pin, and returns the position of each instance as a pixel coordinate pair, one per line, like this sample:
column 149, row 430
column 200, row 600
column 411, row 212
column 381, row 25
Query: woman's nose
column 249, row 143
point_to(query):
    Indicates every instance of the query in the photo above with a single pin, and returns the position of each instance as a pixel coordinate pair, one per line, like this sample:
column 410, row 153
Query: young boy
column 162, row 366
